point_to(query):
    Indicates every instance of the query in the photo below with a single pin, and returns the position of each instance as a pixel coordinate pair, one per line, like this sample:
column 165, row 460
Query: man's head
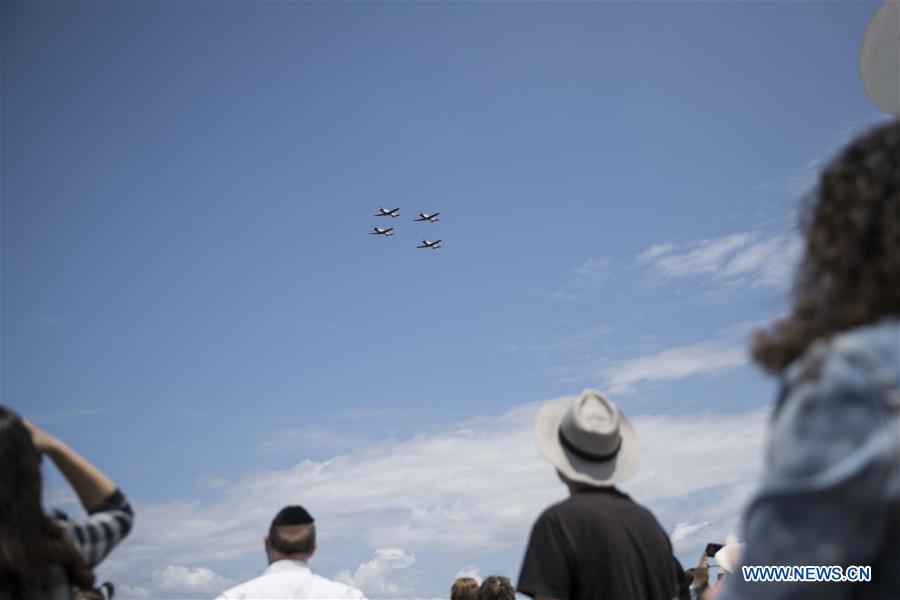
column 292, row 535
column 464, row 588
column 496, row 588
column 587, row 439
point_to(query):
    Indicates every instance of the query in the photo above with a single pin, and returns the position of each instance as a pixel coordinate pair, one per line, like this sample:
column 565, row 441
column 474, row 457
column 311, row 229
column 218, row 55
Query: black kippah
column 292, row 515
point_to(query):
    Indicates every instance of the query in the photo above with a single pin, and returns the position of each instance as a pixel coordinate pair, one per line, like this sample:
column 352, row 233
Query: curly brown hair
column 850, row 271
column 496, row 587
column 464, row 588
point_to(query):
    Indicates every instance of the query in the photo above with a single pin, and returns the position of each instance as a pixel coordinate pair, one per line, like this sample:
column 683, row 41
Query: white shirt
column 290, row 579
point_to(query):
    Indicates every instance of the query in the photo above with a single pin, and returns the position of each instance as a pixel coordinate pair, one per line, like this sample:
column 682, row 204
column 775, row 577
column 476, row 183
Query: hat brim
column 598, row 473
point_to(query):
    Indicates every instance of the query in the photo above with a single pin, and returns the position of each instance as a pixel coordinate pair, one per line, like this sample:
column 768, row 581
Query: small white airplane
column 433, row 245
column 385, row 232
column 383, row 212
column 426, row 217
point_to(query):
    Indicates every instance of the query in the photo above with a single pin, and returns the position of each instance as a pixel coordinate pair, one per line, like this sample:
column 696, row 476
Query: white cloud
column 684, row 529
column 482, row 480
column 588, row 276
column 770, row 262
column 654, row 251
column 593, row 271
column 189, row 580
column 376, row 578
column 322, row 439
column 580, row 340
column 132, row 591
column 703, row 256
column 470, row 571
column 674, row 363
column 212, row 482
column 684, row 454
column 750, row 259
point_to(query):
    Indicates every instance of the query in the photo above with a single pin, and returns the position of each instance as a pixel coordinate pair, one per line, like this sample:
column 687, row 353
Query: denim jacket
column 830, row 493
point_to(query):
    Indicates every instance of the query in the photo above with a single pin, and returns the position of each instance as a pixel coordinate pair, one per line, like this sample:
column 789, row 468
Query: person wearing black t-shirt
column 599, row 543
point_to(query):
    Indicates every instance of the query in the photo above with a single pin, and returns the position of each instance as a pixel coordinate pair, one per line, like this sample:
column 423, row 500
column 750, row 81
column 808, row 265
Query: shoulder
column 873, row 348
column 243, row 590
column 328, row 588
column 549, row 529
column 260, row 586
column 554, row 510
column 832, row 401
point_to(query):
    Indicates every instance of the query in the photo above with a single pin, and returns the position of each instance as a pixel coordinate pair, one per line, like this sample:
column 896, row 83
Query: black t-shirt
column 597, row 544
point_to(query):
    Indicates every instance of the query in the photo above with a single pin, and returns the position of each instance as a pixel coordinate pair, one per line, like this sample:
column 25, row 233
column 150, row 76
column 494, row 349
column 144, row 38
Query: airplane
column 433, row 245
column 383, row 212
column 426, row 217
column 379, row 231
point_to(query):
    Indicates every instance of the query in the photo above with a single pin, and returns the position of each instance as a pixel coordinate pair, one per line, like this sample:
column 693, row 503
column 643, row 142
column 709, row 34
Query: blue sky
column 190, row 296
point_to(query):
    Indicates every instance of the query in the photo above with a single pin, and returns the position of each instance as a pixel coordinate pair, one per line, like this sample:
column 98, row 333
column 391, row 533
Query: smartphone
column 711, row 549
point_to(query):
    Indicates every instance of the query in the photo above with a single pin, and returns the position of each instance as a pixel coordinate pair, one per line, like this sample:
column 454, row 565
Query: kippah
column 292, row 515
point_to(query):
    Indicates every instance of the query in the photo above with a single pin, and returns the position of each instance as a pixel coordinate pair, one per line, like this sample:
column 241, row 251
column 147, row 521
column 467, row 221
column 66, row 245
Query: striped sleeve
column 107, row 525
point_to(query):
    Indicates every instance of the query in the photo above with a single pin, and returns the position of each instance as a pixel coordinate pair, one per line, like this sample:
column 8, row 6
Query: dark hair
column 30, row 542
column 850, row 271
column 496, row 587
column 464, row 588
column 293, row 539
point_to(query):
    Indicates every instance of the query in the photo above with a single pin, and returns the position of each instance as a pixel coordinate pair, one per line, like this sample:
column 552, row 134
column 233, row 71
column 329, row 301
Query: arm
column 110, row 516
column 92, row 486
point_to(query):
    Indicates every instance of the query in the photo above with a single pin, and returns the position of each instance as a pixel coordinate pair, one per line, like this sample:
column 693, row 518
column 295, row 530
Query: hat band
column 584, row 453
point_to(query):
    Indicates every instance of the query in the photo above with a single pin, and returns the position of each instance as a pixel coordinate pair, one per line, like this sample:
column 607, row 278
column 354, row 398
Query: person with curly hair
column 830, row 493
column 43, row 557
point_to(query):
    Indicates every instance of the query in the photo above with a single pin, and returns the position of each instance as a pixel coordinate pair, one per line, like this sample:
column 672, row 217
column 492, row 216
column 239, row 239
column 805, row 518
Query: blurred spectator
column 699, row 577
column 599, row 543
column 289, row 545
column 43, row 557
column 464, row 588
column 830, row 494
column 496, row 588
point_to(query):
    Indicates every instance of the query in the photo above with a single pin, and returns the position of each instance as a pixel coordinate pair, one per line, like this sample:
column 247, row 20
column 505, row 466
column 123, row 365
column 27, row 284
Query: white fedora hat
column 588, row 439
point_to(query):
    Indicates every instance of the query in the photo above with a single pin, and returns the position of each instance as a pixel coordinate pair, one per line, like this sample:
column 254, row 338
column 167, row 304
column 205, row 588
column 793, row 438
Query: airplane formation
column 394, row 213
